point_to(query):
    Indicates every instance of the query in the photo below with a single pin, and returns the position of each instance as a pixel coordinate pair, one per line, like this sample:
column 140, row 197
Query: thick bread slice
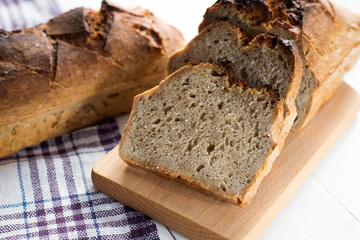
column 203, row 127
column 266, row 60
column 327, row 36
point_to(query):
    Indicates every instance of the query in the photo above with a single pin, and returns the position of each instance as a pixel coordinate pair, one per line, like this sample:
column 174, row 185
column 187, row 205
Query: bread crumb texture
column 200, row 124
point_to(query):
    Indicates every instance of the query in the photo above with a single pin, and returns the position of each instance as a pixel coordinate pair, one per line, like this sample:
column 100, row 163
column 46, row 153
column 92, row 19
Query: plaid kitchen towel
column 46, row 192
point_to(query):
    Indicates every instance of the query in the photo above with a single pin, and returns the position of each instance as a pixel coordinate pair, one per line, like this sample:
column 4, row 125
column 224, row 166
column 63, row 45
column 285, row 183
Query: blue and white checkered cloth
column 46, row 191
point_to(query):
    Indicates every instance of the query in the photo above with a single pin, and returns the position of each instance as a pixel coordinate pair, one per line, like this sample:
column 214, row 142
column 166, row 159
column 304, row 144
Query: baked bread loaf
column 327, row 36
column 263, row 61
column 204, row 127
column 77, row 69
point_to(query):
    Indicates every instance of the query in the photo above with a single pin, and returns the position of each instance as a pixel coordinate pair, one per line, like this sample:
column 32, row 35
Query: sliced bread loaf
column 205, row 128
column 327, row 36
column 265, row 60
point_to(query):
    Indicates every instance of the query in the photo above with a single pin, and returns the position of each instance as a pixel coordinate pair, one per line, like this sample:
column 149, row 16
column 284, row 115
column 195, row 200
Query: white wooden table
column 327, row 206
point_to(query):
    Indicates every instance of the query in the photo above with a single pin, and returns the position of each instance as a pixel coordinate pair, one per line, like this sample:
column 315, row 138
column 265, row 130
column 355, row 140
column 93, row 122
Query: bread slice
column 265, row 60
column 205, row 128
column 327, row 36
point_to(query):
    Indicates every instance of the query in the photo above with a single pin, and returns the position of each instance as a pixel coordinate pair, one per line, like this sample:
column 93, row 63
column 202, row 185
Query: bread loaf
column 328, row 38
column 205, row 128
column 263, row 61
column 77, row 69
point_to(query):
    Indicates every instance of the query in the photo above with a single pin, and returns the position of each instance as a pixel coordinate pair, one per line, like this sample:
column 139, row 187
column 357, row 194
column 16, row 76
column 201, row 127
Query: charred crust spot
column 225, row 68
column 229, row 68
column 270, row 40
column 291, row 11
column 258, row 10
column 217, row 73
column 106, row 6
column 273, row 92
column 281, row 25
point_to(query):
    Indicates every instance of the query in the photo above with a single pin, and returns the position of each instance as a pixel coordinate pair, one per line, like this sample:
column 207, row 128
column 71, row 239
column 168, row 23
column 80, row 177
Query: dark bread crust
column 27, row 50
column 258, row 11
column 72, row 22
column 233, row 82
column 289, row 12
column 327, row 36
column 77, row 55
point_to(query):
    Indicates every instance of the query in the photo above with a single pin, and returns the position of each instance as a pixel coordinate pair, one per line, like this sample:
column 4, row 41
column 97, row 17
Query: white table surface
column 327, row 206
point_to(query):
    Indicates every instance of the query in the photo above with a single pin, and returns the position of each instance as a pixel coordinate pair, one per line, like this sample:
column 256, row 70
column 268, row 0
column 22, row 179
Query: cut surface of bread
column 264, row 61
column 205, row 128
column 327, row 36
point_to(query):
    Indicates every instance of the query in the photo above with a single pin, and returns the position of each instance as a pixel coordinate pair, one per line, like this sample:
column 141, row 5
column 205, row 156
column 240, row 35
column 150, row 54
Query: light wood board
column 201, row 217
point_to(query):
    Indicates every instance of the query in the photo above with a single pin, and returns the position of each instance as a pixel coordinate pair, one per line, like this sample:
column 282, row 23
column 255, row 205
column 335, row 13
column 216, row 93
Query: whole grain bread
column 263, row 61
column 206, row 128
column 328, row 38
column 77, row 69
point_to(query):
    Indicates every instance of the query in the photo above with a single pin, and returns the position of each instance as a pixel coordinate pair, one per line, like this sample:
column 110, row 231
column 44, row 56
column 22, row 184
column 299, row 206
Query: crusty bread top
column 325, row 33
column 79, row 53
column 288, row 13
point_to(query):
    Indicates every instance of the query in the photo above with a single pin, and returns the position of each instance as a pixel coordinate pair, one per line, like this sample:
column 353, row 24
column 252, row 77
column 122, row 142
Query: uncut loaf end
column 206, row 128
column 79, row 68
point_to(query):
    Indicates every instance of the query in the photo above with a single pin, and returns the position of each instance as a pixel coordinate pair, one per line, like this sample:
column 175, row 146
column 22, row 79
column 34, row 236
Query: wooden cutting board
column 201, row 217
